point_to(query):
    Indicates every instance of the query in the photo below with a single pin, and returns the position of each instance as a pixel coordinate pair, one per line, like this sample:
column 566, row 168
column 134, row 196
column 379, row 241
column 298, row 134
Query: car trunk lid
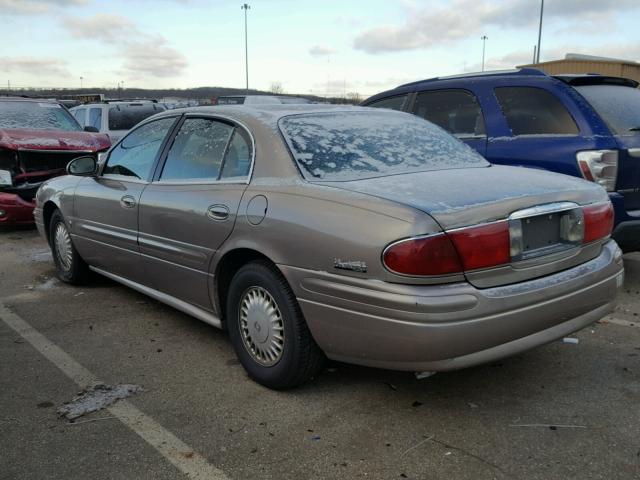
column 464, row 198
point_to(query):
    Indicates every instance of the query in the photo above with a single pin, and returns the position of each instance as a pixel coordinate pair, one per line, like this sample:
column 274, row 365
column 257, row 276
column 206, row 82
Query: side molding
column 176, row 303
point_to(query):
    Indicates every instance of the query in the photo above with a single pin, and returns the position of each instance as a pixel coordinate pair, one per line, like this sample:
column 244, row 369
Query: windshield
column 125, row 117
column 618, row 106
column 344, row 146
column 36, row 116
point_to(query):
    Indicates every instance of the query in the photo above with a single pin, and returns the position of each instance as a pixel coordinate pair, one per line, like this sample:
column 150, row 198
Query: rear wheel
column 70, row 267
column 267, row 329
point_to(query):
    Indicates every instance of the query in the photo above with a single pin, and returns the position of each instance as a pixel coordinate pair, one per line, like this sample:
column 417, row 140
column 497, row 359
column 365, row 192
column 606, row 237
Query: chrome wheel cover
column 261, row 326
column 62, row 244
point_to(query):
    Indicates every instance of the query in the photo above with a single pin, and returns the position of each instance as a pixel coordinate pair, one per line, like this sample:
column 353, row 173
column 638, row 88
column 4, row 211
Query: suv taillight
column 600, row 166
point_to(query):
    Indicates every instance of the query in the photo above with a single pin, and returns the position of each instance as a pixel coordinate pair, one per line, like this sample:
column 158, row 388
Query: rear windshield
column 342, row 146
column 618, row 106
column 125, row 117
column 36, row 116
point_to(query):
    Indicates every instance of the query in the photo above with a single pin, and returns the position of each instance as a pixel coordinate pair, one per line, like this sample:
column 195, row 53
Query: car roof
column 265, row 114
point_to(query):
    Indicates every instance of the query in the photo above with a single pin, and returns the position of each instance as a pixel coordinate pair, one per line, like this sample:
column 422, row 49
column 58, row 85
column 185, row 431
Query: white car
column 115, row 118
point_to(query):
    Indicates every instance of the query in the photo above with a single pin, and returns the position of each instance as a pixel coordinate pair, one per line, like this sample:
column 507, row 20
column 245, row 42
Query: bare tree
column 354, row 97
column 276, row 88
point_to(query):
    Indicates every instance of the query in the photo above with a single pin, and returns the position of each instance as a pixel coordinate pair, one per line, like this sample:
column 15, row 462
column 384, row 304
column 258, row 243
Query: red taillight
column 598, row 221
column 430, row 255
column 483, row 246
column 464, row 249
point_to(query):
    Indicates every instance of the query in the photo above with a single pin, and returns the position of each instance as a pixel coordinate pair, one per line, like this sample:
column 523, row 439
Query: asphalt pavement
column 562, row 411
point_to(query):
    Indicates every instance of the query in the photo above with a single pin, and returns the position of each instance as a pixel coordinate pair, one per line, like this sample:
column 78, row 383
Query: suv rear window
column 534, row 111
column 618, row 106
column 342, row 146
column 125, row 117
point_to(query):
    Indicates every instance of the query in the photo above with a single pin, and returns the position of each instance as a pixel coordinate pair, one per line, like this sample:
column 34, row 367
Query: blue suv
column 581, row 125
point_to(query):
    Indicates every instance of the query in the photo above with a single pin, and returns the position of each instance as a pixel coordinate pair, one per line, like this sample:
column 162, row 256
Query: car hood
column 26, row 139
column 462, row 197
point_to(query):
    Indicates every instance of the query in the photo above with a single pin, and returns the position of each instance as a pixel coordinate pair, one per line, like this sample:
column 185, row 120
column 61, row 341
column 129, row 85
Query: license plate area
column 545, row 230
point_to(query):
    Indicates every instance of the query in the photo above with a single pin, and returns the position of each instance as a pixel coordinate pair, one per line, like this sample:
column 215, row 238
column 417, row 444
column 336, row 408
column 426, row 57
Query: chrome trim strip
column 543, row 209
column 174, row 302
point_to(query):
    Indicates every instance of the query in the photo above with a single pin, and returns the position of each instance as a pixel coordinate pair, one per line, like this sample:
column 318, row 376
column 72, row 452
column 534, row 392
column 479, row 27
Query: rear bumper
column 447, row 327
column 627, row 225
column 14, row 210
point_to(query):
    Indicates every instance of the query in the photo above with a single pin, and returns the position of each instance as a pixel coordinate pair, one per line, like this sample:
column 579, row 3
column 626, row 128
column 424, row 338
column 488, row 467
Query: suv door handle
column 218, row 212
column 128, row 201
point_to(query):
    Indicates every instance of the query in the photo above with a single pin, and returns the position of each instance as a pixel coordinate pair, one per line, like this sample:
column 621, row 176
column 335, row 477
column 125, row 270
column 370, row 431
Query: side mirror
column 82, row 166
column 89, row 128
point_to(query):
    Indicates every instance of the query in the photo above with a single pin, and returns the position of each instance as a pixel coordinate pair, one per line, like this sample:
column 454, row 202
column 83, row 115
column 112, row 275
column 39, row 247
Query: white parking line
column 181, row 455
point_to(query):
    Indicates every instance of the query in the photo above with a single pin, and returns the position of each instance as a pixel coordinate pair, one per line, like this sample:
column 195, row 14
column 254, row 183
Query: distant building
column 576, row 63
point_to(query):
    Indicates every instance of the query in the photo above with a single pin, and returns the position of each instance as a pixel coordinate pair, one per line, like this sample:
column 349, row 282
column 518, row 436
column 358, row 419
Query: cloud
column 321, row 51
column 627, row 51
column 428, row 27
column 142, row 53
column 34, row 66
column 33, row 7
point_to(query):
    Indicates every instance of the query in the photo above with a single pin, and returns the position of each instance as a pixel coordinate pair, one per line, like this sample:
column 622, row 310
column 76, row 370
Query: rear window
column 36, row 116
column 125, row 117
column 342, row 146
column 618, row 106
column 534, row 111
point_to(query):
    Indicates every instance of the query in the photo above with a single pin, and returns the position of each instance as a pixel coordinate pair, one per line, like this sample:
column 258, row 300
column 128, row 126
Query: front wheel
column 267, row 329
column 70, row 267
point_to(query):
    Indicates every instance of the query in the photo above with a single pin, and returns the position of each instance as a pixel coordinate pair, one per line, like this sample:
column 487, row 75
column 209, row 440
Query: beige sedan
column 362, row 235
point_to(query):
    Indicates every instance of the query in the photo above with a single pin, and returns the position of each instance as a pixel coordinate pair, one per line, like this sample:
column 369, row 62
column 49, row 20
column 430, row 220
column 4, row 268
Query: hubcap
column 62, row 242
column 261, row 326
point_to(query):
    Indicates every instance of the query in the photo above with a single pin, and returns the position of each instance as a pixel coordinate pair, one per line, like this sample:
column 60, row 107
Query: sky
column 308, row 47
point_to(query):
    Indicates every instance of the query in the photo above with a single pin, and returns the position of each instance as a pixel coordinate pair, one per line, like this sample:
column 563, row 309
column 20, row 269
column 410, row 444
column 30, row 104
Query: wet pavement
column 565, row 410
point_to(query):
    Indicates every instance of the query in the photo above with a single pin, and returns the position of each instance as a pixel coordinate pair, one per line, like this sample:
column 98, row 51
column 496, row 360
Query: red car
column 37, row 140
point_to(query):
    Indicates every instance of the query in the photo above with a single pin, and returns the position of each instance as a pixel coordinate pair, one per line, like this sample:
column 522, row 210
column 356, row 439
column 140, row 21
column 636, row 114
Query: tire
column 70, row 267
column 261, row 308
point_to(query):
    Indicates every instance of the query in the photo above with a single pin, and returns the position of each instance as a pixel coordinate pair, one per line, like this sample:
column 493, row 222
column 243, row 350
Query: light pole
column 484, row 39
column 246, row 7
column 540, row 31
column 81, row 78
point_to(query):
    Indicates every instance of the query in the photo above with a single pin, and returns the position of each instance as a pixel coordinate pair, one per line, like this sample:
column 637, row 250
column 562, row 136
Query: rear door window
column 619, row 106
column 197, row 150
column 394, row 103
column 456, row 111
column 534, row 111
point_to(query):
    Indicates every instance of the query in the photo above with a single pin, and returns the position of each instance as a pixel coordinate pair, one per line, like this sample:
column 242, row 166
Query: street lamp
column 81, row 78
column 540, row 31
column 484, row 39
column 246, row 7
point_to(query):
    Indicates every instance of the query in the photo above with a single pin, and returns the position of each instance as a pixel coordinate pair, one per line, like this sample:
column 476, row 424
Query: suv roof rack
column 491, row 73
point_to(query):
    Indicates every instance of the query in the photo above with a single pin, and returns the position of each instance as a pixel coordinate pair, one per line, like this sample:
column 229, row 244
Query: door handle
column 218, row 212
column 128, row 201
